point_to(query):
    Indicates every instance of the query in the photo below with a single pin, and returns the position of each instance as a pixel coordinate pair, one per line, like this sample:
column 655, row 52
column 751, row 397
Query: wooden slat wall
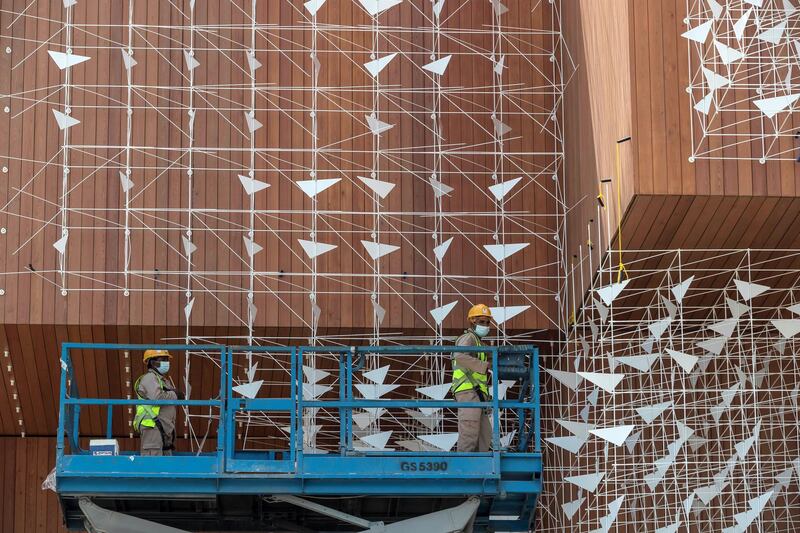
column 161, row 181
column 24, row 506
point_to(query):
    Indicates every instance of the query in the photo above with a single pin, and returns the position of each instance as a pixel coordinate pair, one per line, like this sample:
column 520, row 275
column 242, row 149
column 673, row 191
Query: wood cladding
column 160, row 100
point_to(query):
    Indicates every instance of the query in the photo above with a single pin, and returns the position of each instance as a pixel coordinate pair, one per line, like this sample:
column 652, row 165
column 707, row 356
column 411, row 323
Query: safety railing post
column 293, row 384
column 342, row 386
column 300, row 440
column 495, row 412
column 224, row 434
column 61, row 404
column 110, row 421
column 536, row 400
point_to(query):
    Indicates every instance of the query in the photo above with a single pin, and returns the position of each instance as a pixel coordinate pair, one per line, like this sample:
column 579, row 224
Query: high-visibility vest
column 465, row 379
column 146, row 414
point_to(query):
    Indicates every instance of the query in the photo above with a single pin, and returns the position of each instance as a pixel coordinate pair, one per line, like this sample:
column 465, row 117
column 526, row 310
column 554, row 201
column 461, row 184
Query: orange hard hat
column 149, row 354
column 479, row 310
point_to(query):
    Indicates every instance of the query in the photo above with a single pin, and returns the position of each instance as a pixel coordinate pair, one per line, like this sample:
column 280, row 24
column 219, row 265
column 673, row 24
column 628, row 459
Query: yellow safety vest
column 465, row 379
column 146, row 414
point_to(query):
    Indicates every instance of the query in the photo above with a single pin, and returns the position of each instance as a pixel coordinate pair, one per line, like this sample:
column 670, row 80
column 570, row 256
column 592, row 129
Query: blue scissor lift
column 294, row 488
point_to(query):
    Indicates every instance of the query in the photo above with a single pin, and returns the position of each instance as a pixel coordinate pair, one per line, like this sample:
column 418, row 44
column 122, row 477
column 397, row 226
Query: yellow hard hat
column 149, row 354
column 479, row 310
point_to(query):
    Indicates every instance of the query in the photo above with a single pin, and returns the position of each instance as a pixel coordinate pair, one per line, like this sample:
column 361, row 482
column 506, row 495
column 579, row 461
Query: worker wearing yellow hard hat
column 471, row 383
column 156, row 423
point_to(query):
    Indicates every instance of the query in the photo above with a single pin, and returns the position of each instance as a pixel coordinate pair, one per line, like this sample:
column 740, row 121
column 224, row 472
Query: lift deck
column 296, row 489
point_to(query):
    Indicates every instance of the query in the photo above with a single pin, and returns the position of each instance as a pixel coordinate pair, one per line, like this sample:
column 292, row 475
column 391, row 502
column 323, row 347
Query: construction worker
column 156, row 423
column 471, row 381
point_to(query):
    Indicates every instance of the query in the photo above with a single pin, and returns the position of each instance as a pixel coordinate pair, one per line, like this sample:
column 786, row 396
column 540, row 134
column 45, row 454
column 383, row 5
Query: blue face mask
column 162, row 367
column 481, row 331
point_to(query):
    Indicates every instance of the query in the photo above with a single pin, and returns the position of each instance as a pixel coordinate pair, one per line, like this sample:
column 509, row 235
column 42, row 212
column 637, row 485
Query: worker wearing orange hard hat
column 471, row 383
column 156, row 423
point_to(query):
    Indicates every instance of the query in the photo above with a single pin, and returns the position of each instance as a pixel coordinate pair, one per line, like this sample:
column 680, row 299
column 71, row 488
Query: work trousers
column 151, row 443
column 474, row 431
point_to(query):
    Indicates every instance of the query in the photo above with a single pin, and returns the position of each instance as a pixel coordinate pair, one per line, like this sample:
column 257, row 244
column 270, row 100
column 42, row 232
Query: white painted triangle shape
column 314, row 187
column 729, row 394
column 570, row 380
column 641, row 363
column 672, row 528
column 375, row 67
column 125, row 182
column 570, row 508
column 593, row 396
column 572, row 444
column 377, row 126
column 740, row 25
column 499, row 9
column 716, row 9
column 443, row 441
column 788, row 327
column 502, row 251
column 714, row 80
column 375, row 7
column 188, row 246
column 441, row 250
column 312, row 6
column 737, row 309
column 713, row 345
column 795, row 309
column 504, row 314
column 64, row 121
column 743, row 447
column 579, row 429
column 439, row 188
column 426, row 417
column 439, row 66
column 501, row 189
column 377, row 375
column 128, row 59
column 314, row 391
column 727, row 54
column 373, row 392
column 651, row 412
column 773, row 35
column 428, row 412
column 61, row 244
column 609, row 293
column 505, row 440
column 315, row 249
column 788, row 8
column 251, row 246
column 191, row 62
column 252, row 312
column 251, row 372
column 658, row 327
column 698, row 33
column 672, row 309
column 381, row 188
column 630, row 442
column 437, row 9
column 69, row 3
column 772, row 106
column 724, row 327
column 377, row 440
column 379, row 311
column 440, row 313
column 500, row 128
column 435, row 392
column 364, row 419
column 251, row 185
column 249, row 390
column 757, row 3
column 65, row 61
column 607, row 382
column 498, row 66
column 378, row 250
column 588, row 482
column 252, row 124
column 680, row 290
column 253, row 62
column 704, row 104
column 314, row 375
column 602, row 310
column 502, row 388
column 615, row 435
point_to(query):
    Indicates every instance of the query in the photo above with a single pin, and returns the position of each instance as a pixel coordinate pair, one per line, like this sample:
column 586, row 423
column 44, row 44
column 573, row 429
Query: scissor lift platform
column 230, row 489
